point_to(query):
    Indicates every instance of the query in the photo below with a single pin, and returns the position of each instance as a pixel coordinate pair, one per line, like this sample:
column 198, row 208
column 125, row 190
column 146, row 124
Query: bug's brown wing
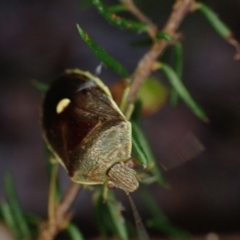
column 88, row 110
column 94, row 101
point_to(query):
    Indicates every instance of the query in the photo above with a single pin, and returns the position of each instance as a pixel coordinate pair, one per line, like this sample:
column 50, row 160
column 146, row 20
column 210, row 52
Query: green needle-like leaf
column 164, row 35
column 102, row 54
column 118, row 220
column 112, row 18
column 33, row 223
column 178, row 52
column 15, row 208
column 99, row 208
column 140, row 154
column 137, row 113
column 117, row 8
column 138, row 135
column 108, row 214
column 220, row 27
column 178, row 58
column 8, row 218
column 159, row 221
column 140, row 145
column 74, row 232
column 143, row 151
column 42, row 87
column 182, row 91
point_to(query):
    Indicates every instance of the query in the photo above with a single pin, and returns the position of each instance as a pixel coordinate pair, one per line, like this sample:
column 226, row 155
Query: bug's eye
column 130, row 163
column 110, row 184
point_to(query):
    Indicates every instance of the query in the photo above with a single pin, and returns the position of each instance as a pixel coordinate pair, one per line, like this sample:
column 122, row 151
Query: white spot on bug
column 62, row 104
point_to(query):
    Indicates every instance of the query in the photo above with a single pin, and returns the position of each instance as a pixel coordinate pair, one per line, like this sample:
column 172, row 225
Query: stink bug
column 87, row 132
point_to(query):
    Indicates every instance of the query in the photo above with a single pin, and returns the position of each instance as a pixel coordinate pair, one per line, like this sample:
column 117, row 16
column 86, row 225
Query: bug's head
column 121, row 175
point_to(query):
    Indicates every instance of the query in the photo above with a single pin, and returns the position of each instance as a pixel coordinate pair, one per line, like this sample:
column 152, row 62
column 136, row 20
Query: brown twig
column 131, row 7
column 62, row 215
column 144, row 68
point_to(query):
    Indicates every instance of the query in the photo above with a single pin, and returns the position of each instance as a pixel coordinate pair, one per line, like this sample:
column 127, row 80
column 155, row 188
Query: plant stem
column 180, row 9
column 61, row 218
column 131, row 7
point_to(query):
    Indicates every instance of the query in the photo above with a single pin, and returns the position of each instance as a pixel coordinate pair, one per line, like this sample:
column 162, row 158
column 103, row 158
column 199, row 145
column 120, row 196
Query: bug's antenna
column 142, row 233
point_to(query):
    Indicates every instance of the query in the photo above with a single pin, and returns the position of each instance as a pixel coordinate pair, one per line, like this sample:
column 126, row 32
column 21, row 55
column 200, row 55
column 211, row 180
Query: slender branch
column 62, row 215
column 67, row 201
column 180, row 9
column 131, row 7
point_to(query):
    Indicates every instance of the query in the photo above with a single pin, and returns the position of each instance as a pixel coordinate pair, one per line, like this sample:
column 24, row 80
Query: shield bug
column 87, row 132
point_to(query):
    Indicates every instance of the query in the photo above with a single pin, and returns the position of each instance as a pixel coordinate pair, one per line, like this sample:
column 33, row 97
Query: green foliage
column 137, row 148
column 74, row 232
column 164, row 35
column 112, row 18
column 220, row 27
column 142, row 148
column 116, row 8
column 12, row 212
column 143, row 151
column 42, row 87
column 159, row 220
column 182, row 91
column 178, row 66
column 101, row 54
column 8, row 219
column 108, row 214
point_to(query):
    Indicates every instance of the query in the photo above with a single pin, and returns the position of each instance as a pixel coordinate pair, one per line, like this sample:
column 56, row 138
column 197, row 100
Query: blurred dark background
column 39, row 40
